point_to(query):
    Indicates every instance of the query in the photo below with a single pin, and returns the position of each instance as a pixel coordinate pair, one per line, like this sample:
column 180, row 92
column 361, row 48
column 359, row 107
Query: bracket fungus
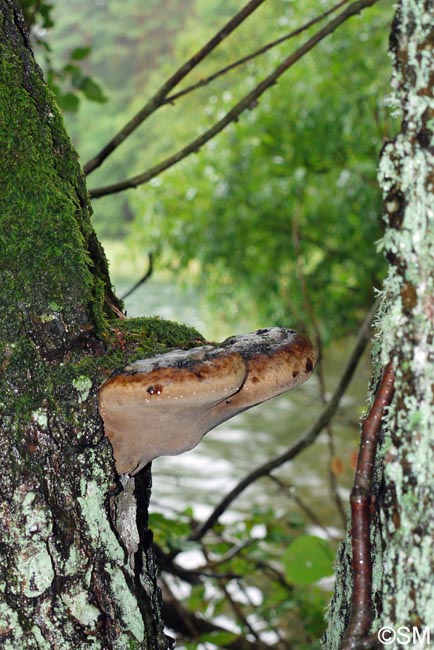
column 166, row 404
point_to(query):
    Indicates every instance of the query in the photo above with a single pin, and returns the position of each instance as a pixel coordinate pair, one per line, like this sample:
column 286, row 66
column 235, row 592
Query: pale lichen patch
column 35, row 569
column 93, row 511
column 128, row 605
column 83, row 386
column 9, row 621
column 407, row 329
column 81, row 609
column 92, row 504
column 30, row 528
column 42, row 644
column 40, row 417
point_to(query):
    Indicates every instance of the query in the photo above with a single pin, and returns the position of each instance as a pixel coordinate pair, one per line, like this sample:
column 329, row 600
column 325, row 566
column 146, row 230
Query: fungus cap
column 166, row 404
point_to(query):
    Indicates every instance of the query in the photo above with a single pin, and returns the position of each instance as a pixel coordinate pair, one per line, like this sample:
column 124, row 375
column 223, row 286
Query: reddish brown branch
column 361, row 606
column 245, row 103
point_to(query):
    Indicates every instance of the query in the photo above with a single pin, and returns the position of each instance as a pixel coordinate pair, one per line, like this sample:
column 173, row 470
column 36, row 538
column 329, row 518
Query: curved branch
column 305, row 440
column 158, row 99
column 143, row 279
column 248, row 101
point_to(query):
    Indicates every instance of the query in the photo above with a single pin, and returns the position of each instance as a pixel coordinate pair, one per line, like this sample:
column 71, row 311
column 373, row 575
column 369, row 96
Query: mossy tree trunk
column 403, row 531
column 69, row 575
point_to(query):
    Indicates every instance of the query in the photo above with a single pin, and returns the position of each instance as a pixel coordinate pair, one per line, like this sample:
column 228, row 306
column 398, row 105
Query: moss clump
column 148, row 336
column 129, row 339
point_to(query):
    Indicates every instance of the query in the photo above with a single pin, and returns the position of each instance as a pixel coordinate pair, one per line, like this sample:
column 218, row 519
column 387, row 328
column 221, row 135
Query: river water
column 199, row 478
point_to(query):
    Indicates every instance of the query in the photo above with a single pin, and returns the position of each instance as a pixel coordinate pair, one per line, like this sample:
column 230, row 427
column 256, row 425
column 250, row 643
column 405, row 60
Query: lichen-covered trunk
column 403, row 530
column 71, row 576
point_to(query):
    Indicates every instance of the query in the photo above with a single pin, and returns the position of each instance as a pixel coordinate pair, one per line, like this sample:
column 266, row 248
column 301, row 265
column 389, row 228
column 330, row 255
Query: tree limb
column 249, row 57
column 190, row 625
column 248, row 101
column 158, row 99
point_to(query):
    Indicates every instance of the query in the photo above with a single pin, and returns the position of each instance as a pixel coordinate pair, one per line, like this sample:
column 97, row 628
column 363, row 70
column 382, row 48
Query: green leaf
column 45, row 11
column 68, row 102
column 308, row 559
column 219, row 638
column 80, row 53
column 92, row 90
column 73, row 71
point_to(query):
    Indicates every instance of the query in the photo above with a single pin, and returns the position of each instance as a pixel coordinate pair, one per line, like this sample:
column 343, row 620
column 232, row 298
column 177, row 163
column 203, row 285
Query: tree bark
column 76, row 565
column 402, row 532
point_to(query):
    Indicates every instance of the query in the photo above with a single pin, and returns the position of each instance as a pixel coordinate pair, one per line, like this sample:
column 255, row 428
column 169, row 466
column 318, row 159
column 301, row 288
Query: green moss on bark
column 65, row 578
column 50, row 262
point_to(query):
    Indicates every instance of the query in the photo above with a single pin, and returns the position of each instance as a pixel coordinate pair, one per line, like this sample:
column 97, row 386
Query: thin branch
column 249, row 57
column 233, row 552
column 143, row 279
column 178, row 618
column 239, row 614
column 157, row 100
column 248, row 101
column 305, row 440
column 361, row 564
column 236, row 606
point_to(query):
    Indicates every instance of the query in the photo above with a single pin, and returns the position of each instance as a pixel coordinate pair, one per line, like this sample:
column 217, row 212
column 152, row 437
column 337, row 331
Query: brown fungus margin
column 166, row 404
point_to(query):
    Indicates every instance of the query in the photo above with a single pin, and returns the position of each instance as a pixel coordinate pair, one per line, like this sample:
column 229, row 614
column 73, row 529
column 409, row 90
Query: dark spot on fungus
column 155, row 390
column 195, row 390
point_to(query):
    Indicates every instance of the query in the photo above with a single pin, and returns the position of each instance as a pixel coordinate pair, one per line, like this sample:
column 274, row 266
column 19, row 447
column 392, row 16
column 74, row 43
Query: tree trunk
column 76, row 568
column 403, row 530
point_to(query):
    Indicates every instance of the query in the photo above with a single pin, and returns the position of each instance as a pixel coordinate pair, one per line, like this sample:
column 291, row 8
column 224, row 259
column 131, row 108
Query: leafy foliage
column 68, row 82
column 242, row 575
column 281, row 212
column 130, row 43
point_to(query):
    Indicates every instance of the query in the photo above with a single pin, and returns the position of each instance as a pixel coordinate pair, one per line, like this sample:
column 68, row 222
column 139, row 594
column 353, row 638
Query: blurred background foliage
column 279, row 215
column 275, row 222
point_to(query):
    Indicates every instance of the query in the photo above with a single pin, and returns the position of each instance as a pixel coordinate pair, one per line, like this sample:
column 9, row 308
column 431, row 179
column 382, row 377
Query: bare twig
column 233, row 552
column 236, row 606
column 361, row 605
column 142, row 279
column 190, row 625
column 239, row 614
column 157, row 100
column 248, row 101
column 253, row 55
column 114, row 309
column 305, row 440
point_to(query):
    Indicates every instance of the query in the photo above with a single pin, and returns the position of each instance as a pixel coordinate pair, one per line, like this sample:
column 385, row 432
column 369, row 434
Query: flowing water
column 200, row 477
